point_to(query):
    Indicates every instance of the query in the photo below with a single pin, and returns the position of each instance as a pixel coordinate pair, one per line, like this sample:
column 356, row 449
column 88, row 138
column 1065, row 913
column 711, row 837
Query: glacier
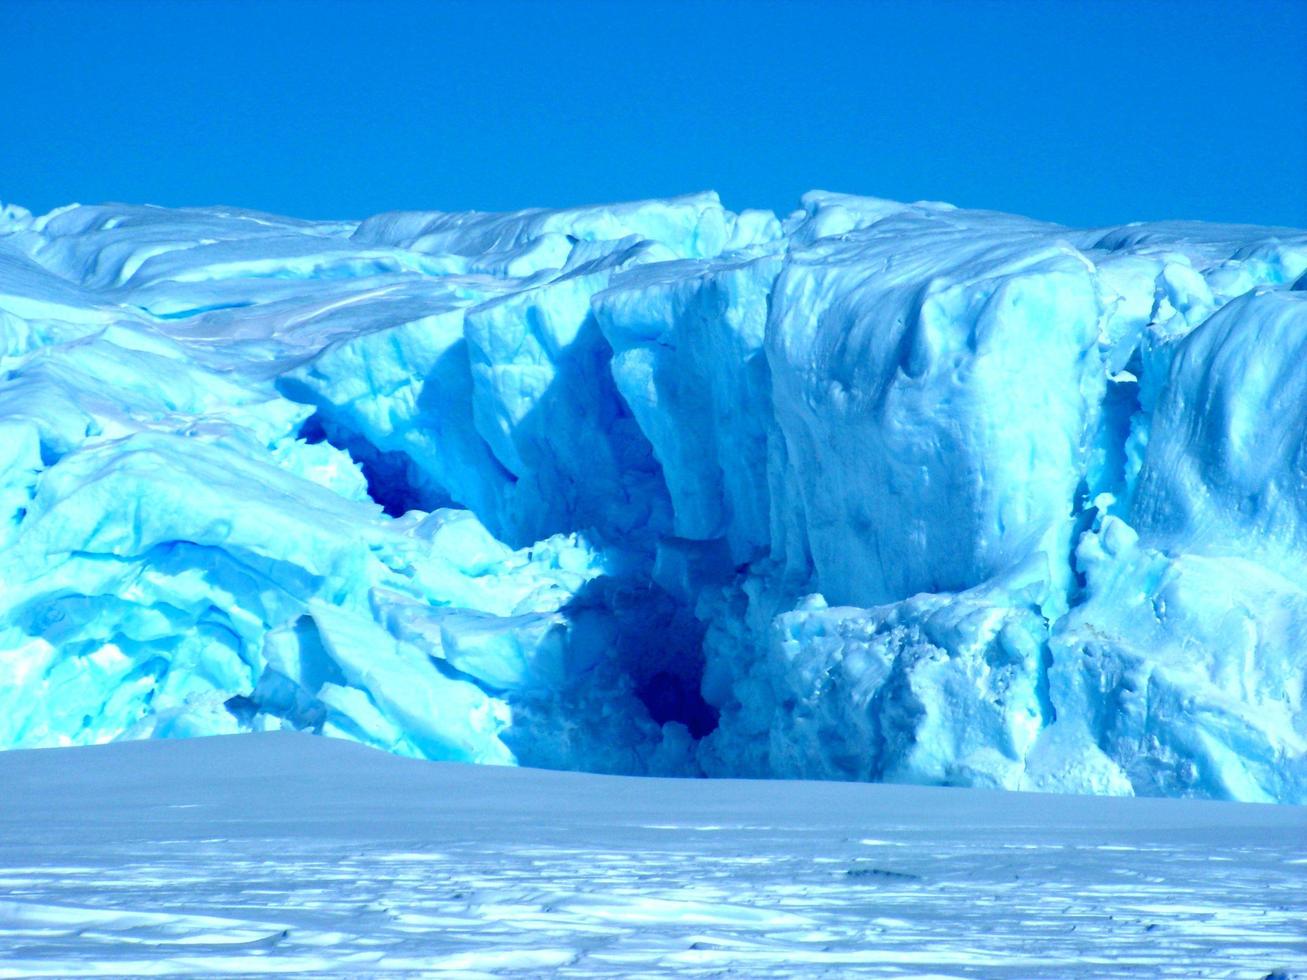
column 872, row 491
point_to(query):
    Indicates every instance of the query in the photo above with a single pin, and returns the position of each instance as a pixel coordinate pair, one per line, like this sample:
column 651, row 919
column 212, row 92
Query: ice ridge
column 874, row 491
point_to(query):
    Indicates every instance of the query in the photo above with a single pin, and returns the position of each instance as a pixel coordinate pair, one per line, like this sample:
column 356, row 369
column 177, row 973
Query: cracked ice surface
column 877, row 491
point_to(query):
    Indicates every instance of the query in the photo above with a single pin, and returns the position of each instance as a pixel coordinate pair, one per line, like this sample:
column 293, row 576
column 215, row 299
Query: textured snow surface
column 282, row 854
column 877, row 491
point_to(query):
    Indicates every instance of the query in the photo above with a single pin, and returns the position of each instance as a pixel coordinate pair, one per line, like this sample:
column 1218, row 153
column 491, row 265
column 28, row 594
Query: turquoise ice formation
column 875, row 491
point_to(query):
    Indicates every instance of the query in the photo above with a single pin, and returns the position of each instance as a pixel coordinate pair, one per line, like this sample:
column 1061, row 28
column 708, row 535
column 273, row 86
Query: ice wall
column 877, row 491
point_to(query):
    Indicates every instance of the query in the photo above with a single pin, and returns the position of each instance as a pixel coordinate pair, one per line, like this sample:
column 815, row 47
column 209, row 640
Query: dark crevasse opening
column 390, row 478
column 1120, row 406
column 312, row 430
column 670, row 697
column 1082, row 519
column 655, row 639
column 389, row 483
column 1108, row 469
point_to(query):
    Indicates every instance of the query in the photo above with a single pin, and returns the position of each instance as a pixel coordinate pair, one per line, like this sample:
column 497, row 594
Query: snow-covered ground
column 281, row 853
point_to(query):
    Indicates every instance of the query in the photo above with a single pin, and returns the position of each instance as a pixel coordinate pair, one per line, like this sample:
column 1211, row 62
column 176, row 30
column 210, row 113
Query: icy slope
column 879, row 491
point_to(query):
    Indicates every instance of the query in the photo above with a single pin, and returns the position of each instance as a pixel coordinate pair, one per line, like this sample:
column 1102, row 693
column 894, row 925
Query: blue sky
column 1086, row 113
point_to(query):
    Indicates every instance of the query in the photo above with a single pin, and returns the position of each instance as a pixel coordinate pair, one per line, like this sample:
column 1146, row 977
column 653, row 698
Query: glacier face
column 876, row 491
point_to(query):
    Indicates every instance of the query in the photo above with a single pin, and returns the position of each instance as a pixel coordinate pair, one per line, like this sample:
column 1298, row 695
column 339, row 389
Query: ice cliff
column 876, row 491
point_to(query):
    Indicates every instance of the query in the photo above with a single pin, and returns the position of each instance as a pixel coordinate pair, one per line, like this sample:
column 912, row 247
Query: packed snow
column 281, row 854
column 876, row 491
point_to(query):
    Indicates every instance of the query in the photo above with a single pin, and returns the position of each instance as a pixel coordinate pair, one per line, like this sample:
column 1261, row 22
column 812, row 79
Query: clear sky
column 1086, row 113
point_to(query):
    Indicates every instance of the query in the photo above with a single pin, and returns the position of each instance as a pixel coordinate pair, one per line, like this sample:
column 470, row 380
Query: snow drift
column 879, row 491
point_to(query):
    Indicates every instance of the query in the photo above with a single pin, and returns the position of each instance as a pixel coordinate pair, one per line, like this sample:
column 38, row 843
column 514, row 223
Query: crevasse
column 878, row 491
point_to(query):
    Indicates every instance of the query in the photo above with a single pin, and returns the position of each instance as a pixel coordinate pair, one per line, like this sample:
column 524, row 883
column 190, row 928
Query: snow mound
column 878, row 491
